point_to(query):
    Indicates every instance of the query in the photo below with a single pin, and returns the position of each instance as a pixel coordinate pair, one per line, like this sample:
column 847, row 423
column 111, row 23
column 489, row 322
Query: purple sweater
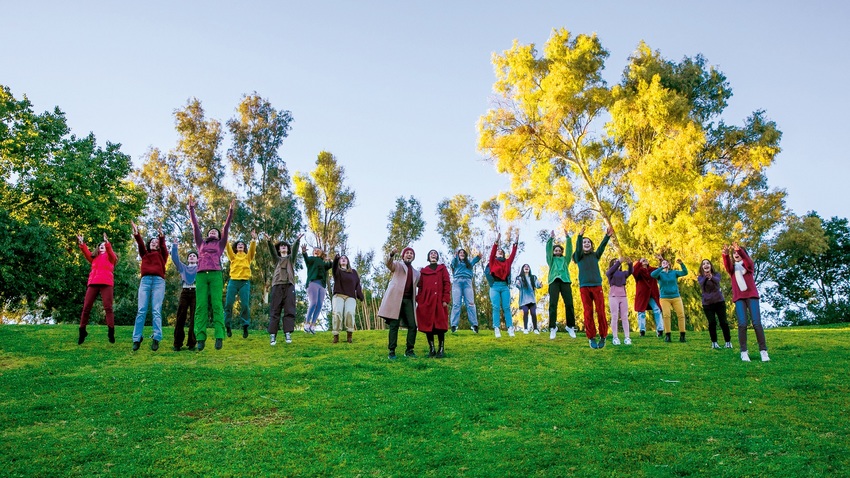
column 710, row 287
column 617, row 279
column 209, row 251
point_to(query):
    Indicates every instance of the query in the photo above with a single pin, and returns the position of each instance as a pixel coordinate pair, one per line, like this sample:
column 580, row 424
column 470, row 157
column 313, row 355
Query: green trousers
column 208, row 287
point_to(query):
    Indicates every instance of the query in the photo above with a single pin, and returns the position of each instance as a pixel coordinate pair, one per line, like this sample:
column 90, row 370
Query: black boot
column 432, row 352
column 667, row 337
column 82, row 337
column 244, row 331
column 229, row 331
column 681, row 336
column 111, row 335
column 441, row 351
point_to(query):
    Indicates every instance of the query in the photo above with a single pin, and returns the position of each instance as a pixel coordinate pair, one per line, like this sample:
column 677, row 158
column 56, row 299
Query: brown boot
column 336, row 339
column 349, row 337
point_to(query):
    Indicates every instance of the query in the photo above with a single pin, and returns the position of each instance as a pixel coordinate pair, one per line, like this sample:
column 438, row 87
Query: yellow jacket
column 240, row 264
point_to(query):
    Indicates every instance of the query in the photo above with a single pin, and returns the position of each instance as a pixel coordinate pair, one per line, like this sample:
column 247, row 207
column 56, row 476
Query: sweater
column 526, row 291
column 317, row 269
column 102, row 266
column 240, row 262
column 710, row 287
column 500, row 270
column 617, row 279
column 209, row 250
column 460, row 269
column 668, row 281
column 346, row 282
column 153, row 262
column 284, row 271
column 749, row 279
column 588, row 263
column 559, row 266
column 187, row 272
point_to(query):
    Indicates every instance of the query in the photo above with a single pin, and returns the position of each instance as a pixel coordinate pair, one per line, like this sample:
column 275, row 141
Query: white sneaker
column 510, row 331
column 498, row 334
column 571, row 331
column 745, row 356
column 536, row 331
column 525, row 331
column 764, row 357
column 552, row 333
column 628, row 341
column 272, row 339
column 728, row 345
column 616, row 341
column 288, row 338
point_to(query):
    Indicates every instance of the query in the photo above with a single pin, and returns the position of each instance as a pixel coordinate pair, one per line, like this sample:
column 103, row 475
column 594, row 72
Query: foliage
column 405, row 224
column 650, row 409
column 327, row 200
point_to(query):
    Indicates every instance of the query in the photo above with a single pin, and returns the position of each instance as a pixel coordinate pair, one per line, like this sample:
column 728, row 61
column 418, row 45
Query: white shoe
column 272, row 339
column 510, row 331
column 552, row 333
column 745, row 356
column 764, row 357
column 616, row 341
column 715, row 345
column 498, row 334
column 536, row 331
column 728, row 345
column 571, row 331
column 627, row 341
column 288, row 338
column 525, row 331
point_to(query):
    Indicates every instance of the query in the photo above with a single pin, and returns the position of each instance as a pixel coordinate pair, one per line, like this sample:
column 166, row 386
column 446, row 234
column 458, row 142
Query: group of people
column 429, row 299
column 202, row 284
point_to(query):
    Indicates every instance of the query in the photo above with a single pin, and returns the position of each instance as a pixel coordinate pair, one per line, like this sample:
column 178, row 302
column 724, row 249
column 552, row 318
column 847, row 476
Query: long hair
column 97, row 250
column 530, row 277
column 236, row 246
column 465, row 257
column 348, row 267
column 709, row 263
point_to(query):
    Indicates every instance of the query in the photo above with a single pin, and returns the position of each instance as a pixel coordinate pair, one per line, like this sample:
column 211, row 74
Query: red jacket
column 749, row 279
column 102, row 266
column 153, row 262
column 645, row 286
column 435, row 288
column 498, row 269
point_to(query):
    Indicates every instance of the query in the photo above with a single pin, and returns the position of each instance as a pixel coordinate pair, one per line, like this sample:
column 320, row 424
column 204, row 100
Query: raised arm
column 390, row 261
column 684, row 270
column 231, row 254
column 613, row 269
column 272, row 250
column 225, row 231
column 85, row 249
column 549, row 246
column 163, row 248
column 196, row 230
column 358, row 291
column 603, row 244
column 475, row 260
column 175, row 258
column 252, row 247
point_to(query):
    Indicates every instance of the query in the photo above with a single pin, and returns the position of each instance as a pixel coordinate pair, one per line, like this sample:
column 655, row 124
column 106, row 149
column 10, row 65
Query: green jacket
column 588, row 264
column 559, row 267
column 317, row 269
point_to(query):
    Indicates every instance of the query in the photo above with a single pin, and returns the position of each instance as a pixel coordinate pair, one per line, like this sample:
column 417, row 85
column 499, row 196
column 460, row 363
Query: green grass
column 509, row 407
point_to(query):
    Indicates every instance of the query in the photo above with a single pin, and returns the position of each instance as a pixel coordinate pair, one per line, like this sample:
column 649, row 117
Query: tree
column 809, row 270
column 456, row 222
column 405, row 224
column 326, row 200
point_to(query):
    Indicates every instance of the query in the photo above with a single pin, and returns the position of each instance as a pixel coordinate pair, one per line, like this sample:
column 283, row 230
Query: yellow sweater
column 240, row 264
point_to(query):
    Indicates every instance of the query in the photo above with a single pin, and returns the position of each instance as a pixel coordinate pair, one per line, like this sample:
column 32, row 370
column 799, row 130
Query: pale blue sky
column 394, row 89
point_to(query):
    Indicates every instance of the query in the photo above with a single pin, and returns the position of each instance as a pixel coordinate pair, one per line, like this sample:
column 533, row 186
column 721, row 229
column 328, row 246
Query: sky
column 394, row 89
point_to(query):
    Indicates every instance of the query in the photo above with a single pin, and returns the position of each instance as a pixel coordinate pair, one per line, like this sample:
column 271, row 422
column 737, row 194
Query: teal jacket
column 559, row 267
column 588, row 264
column 668, row 281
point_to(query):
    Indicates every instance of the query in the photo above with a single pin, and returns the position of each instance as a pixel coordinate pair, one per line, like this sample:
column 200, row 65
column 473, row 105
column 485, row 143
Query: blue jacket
column 460, row 270
column 187, row 272
column 668, row 281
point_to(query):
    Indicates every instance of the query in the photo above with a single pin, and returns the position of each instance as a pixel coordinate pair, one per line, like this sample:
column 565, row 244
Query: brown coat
column 391, row 303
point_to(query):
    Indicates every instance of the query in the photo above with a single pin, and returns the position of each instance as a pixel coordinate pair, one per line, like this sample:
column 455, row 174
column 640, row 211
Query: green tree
column 327, row 200
column 456, row 222
column 405, row 224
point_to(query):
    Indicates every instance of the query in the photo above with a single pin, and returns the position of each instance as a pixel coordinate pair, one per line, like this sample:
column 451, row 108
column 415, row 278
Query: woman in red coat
column 646, row 296
column 100, row 282
column 432, row 302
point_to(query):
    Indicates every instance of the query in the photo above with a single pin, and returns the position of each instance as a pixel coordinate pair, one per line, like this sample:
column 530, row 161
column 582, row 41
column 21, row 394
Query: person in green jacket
column 317, row 285
column 590, row 286
column 670, row 298
column 559, row 284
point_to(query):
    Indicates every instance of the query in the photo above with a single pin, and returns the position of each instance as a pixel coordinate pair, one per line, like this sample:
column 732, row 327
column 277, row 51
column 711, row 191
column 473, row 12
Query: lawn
column 523, row 406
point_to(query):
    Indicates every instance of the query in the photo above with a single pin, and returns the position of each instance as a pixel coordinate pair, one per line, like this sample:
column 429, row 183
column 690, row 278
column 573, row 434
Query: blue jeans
column 316, row 298
column 656, row 311
column 500, row 297
column 462, row 292
column 151, row 294
column 241, row 288
column 741, row 307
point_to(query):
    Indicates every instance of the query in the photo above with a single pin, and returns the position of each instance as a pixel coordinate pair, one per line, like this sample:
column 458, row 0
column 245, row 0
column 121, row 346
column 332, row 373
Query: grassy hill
column 525, row 406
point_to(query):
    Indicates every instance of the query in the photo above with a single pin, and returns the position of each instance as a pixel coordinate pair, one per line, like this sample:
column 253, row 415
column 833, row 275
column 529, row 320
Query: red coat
column 102, row 266
column 435, row 288
column 646, row 287
column 749, row 267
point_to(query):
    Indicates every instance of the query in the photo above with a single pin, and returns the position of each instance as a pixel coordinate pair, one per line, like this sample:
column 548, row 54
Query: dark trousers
column 715, row 312
column 185, row 310
column 406, row 318
column 565, row 291
column 105, row 292
column 525, row 310
column 282, row 300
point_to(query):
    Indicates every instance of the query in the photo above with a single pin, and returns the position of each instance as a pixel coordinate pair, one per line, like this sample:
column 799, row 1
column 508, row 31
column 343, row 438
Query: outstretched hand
column 304, row 248
column 254, row 235
column 498, row 237
column 159, row 230
column 232, row 203
column 299, row 236
column 104, row 238
column 736, row 246
column 135, row 227
column 80, row 239
column 610, row 232
column 552, row 235
column 192, row 202
column 581, row 232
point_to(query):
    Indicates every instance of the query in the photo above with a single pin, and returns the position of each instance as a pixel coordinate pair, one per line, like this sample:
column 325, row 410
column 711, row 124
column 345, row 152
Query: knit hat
column 408, row 249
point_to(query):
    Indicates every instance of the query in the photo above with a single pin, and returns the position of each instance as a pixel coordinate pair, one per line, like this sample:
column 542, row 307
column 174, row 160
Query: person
column 432, row 303
column 101, row 282
column 617, row 299
column 317, row 286
column 282, row 295
column 713, row 303
column 208, row 281
column 560, row 285
column 498, row 274
column 462, row 290
column 239, row 283
column 646, row 296
column 670, row 299
column 186, row 305
column 397, row 306
column 154, row 255
column 528, row 283
column 590, row 286
column 346, row 293
column 740, row 267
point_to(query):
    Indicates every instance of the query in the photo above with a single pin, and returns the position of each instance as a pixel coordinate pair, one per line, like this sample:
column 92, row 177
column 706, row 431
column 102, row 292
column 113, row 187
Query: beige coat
column 391, row 303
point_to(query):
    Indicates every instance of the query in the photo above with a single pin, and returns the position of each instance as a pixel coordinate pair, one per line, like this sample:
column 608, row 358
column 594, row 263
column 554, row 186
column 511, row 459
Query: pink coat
column 101, row 266
column 435, row 288
column 391, row 303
